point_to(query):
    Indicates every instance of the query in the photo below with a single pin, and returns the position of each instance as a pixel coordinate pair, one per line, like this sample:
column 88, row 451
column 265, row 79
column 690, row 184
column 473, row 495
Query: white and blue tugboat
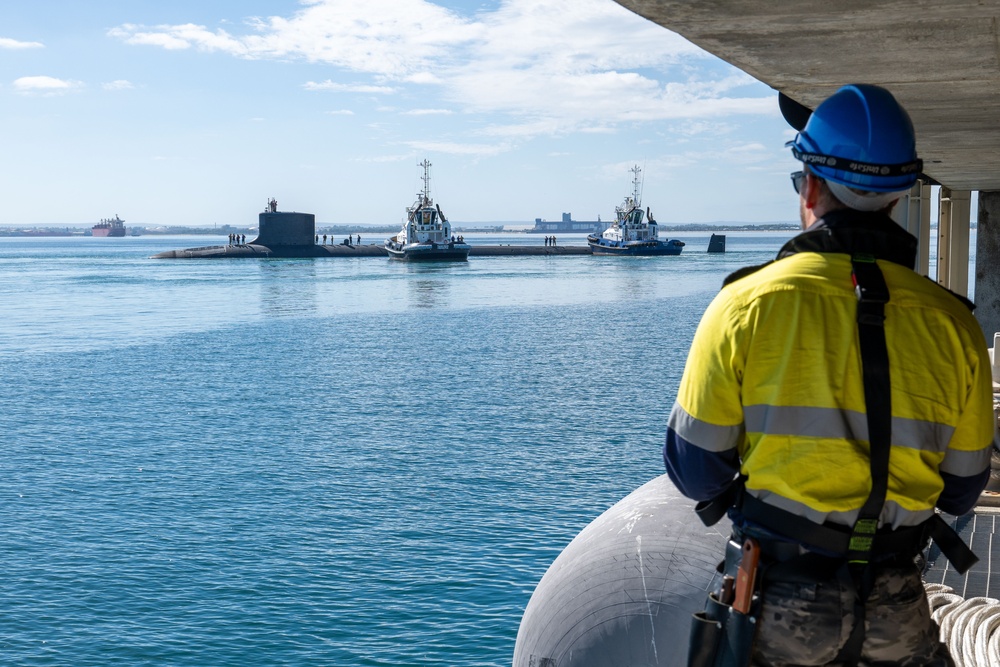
column 426, row 234
column 634, row 232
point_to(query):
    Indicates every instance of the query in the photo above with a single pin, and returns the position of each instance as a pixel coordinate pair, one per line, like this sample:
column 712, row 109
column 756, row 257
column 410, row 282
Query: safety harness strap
column 951, row 545
column 872, row 293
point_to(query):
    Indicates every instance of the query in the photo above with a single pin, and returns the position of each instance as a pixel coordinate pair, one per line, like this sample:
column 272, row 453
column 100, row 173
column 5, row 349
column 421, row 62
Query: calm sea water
column 318, row 462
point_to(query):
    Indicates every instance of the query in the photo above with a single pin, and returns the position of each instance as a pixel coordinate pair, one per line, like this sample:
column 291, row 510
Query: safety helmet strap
column 856, row 166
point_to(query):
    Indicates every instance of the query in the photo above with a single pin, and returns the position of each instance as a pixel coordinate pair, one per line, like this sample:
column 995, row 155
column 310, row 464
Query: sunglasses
column 798, row 178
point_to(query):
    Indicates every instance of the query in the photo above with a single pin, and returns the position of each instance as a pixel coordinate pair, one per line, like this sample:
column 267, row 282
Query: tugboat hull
column 427, row 252
column 635, row 248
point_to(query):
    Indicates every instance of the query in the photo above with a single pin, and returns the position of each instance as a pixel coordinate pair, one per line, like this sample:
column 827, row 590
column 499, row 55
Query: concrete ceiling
column 940, row 58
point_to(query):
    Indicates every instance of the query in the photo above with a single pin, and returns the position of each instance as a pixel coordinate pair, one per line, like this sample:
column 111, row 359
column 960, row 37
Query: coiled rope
column 969, row 627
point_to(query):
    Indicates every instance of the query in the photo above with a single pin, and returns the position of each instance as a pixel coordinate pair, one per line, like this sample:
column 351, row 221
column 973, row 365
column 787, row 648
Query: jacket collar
column 856, row 232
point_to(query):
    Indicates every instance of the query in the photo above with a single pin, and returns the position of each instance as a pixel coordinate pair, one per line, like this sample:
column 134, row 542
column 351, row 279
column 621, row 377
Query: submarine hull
column 259, row 251
column 275, row 251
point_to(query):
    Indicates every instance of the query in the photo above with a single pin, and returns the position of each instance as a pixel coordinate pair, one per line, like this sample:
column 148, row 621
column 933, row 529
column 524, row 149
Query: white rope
column 970, row 628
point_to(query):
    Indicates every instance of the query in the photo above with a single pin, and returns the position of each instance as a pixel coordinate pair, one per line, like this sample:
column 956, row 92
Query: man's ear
column 811, row 190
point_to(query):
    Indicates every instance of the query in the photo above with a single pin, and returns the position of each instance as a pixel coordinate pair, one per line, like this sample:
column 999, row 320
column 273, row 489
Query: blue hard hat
column 862, row 138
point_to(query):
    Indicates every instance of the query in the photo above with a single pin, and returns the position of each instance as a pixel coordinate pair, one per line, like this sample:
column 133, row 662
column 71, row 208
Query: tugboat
column 630, row 234
column 426, row 234
column 109, row 227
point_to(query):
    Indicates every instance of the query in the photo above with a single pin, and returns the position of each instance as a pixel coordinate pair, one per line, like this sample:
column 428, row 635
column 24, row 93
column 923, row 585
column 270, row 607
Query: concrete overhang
column 941, row 59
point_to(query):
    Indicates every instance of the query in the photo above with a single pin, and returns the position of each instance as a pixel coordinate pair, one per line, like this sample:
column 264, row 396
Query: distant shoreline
column 336, row 230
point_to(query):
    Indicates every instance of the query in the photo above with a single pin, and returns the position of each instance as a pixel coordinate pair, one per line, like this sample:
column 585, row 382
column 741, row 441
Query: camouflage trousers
column 805, row 625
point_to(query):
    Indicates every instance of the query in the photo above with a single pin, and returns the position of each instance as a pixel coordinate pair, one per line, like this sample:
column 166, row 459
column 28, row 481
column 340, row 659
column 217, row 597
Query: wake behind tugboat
column 426, row 234
column 630, row 234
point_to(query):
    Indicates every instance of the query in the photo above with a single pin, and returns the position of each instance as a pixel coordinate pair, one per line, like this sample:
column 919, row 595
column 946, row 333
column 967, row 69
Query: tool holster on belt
column 723, row 634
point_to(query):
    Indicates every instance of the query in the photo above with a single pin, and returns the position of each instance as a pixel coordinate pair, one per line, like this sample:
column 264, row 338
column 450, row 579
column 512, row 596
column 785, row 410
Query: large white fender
column 621, row 594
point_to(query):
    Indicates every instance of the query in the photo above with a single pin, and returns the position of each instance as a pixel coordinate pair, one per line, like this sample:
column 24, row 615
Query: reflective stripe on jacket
column 774, row 373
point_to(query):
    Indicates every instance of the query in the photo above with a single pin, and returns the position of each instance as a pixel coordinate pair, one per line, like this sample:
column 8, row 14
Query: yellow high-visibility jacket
column 774, row 377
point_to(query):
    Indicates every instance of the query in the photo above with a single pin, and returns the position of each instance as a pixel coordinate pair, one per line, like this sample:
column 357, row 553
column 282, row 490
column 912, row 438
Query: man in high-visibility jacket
column 782, row 393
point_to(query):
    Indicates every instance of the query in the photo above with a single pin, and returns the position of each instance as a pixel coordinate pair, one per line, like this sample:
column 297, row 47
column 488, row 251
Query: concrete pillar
column 987, row 261
column 913, row 213
column 954, row 209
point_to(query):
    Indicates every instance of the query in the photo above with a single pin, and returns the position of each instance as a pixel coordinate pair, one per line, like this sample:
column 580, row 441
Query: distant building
column 568, row 225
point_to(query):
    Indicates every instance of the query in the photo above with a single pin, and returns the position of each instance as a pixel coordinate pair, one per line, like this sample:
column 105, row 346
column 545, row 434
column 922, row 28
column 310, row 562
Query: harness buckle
column 871, row 290
column 869, row 285
column 862, row 540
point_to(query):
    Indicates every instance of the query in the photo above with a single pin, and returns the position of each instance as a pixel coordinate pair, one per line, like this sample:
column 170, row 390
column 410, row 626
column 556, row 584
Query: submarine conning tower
column 285, row 229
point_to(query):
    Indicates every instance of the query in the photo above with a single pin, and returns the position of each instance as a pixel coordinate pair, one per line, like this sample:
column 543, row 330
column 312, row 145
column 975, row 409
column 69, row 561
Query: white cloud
column 186, row 36
column 341, row 112
column 8, row 43
column 752, row 153
column 692, row 127
column 423, row 78
column 44, row 85
column 729, row 153
column 387, row 37
column 385, row 158
column 454, row 148
column 428, row 112
column 554, row 67
column 118, row 84
column 347, row 87
column 527, row 129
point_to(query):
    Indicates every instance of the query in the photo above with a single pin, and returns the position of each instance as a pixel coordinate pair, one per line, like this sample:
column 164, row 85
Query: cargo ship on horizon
column 109, row 227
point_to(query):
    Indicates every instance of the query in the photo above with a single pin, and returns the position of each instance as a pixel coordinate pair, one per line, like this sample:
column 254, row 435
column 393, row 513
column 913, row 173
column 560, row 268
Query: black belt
column 832, row 538
column 835, row 539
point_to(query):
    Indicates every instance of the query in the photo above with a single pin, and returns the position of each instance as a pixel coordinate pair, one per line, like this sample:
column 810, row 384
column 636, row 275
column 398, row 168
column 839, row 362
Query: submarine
column 280, row 234
column 289, row 234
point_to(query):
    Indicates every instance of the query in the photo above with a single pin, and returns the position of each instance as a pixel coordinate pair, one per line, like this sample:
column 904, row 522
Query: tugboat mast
column 427, row 180
column 636, row 186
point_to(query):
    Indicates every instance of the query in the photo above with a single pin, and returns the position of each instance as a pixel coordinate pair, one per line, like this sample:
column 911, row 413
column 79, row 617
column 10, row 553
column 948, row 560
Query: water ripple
column 317, row 464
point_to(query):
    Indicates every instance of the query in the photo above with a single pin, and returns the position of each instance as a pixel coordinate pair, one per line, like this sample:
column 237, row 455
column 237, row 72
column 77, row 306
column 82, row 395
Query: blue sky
column 196, row 113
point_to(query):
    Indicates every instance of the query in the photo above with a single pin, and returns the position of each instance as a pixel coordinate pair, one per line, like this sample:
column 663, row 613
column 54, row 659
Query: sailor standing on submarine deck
column 773, row 414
